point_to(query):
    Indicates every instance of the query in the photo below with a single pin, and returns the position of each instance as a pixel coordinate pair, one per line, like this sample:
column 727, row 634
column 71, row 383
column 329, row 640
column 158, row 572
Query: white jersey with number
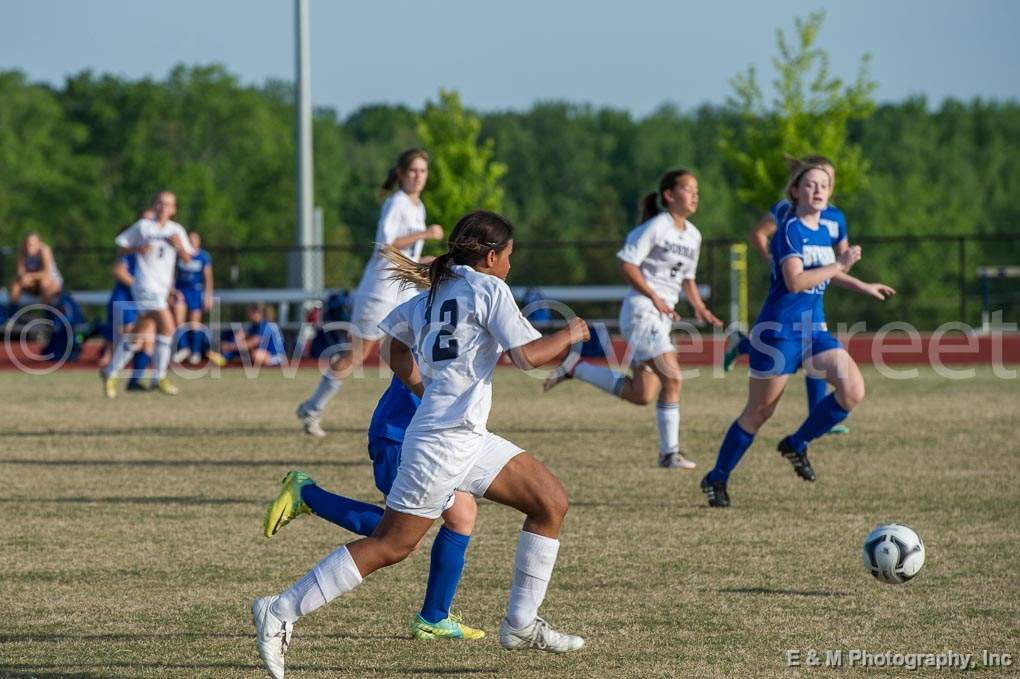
column 457, row 340
column 154, row 272
column 400, row 217
column 666, row 255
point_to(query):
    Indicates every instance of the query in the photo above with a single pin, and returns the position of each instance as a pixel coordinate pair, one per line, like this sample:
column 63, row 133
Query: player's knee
column 852, row 394
column 554, row 503
column 391, row 552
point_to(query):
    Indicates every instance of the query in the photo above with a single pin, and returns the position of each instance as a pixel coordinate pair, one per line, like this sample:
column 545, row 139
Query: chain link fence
column 936, row 277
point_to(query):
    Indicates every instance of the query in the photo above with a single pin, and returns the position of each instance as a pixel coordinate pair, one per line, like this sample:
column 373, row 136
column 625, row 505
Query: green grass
column 131, row 543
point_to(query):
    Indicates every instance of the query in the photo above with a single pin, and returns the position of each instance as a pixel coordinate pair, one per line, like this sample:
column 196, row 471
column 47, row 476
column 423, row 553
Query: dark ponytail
column 650, row 204
column 476, row 234
column 404, row 161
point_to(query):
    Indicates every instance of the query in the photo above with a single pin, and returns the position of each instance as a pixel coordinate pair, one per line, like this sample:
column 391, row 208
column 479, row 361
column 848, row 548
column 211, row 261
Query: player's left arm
column 207, row 298
column 701, row 310
column 879, row 291
column 182, row 246
column 401, row 361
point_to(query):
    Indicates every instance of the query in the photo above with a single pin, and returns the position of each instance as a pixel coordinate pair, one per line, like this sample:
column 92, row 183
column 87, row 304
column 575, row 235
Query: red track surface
column 893, row 349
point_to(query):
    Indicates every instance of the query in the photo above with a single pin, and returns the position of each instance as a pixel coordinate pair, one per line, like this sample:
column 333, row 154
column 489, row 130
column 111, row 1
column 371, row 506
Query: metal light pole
column 300, row 270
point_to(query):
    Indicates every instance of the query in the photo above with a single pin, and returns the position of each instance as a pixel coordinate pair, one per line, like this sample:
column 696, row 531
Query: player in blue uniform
column 301, row 495
column 790, row 332
column 194, row 293
column 261, row 341
column 834, row 221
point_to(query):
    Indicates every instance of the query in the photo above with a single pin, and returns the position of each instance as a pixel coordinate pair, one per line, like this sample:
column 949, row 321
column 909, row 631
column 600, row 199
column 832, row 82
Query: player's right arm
column 638, row 245
column 131, row 241
column 121, row 273
column 401, row 361
column 763, row 230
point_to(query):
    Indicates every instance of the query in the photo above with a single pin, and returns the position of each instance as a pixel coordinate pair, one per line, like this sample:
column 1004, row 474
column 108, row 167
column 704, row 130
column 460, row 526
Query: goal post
column 738, row 286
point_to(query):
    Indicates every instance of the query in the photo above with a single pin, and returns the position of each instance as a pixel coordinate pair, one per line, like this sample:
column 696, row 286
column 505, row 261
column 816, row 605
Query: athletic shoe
column 839, row 429
column 216, row 358
column 310, row 421
column 561, row 373
column 109, row 385
column 194, row 359
column 538, row 636
column 180, row 355
column 288, row 505
column 733, row 352
column 136, row 386
column 675, row 461
column 271, row 634
column 715, row 492
column 450, row 628
column 164, row 386
column 799, row 460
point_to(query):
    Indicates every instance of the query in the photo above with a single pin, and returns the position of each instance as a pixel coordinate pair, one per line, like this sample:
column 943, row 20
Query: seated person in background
column 37, row 272
column 262, row 341
column 192, row 297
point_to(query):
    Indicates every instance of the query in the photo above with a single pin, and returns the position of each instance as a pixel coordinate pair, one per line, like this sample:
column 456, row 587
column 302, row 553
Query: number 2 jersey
column 457, row 340
column 794, row 311
column 666, row 255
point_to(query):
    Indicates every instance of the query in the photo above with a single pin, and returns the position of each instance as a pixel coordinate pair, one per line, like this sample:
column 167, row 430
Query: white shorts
column 646, row 330
column 149, row 300
column 434, row 464
column 368, row 312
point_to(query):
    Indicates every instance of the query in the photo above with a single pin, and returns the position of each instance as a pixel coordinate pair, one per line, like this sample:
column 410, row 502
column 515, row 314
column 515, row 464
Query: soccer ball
column 893, row 553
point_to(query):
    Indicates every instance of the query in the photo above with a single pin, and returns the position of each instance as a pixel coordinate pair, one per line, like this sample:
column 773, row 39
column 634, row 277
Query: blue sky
column 633, row 55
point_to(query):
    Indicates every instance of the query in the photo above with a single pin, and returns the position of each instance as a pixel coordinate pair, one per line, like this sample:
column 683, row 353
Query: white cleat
column 675, row 461
column 561, row 373
column 271, row 634
column 538, row 636
column 310, row 422
column 180, row 355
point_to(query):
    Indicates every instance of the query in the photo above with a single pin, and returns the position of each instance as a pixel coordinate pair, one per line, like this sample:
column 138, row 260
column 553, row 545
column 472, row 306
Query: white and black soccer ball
column 893, row 553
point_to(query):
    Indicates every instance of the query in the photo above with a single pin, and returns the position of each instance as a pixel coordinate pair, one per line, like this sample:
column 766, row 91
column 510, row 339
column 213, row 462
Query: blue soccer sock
column 816, row 388
column 734, row 445
column 358, row 517
column 195, row 342
column 823, row 417
column 139, row 364
column 445, row 567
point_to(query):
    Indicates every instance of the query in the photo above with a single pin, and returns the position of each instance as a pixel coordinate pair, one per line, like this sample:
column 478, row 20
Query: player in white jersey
column 458, row 329
column 401, row 226
column 658, row 260
column 156, row 243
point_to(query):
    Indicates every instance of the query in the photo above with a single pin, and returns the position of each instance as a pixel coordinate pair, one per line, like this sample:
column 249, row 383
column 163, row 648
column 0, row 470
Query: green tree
column 462, row 174
column 810, row 113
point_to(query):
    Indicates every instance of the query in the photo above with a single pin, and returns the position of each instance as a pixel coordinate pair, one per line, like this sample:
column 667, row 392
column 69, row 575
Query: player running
column 401, row 226
column 658, row 260
column 832, row 219
column 790, row 331
column 194, row 287
column 459, row 329
column 157, row 243
column 300, row 495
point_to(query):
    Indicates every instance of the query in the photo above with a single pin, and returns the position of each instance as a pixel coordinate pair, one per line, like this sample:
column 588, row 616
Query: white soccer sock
column 327, row 389
column 533, row 566
column 335, row 575
column 667, row 417
column 600, row 376
column 161, row 356
column 122, row 353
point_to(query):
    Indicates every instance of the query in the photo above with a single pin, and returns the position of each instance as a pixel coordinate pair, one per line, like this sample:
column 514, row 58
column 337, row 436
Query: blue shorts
column 192, row 299
column 783, row 354
column 127, row 313
column 385, row 454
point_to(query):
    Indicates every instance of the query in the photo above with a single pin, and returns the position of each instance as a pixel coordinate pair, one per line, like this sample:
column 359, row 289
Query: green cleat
column 288, row 505
column 451, row 628
column 734, row 351
column 839, row 429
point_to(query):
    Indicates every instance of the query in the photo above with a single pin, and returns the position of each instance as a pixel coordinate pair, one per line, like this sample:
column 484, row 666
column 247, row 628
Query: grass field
column 131, row 545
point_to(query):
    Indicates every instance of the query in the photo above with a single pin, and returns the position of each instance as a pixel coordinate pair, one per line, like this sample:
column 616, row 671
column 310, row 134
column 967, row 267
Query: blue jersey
column 832, row 219
column 792, row 310
column 121, row 292
column 394, row 411
column 191, row 275
column 270, row 337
